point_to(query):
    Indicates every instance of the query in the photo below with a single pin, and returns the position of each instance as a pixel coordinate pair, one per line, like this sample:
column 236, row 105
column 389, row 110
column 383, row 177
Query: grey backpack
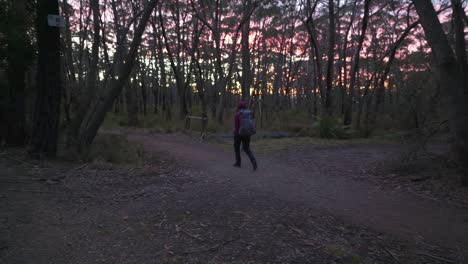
column 247, row 123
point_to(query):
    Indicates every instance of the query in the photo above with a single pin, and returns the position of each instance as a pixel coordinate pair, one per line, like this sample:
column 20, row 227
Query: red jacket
column 242, row 105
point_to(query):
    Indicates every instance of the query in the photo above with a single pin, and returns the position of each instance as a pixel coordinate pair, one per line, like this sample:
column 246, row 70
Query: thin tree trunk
column 380, row 87
column 355, row 68
column 72, row 85
column 309, row 23
column 178, row 72
column 331, row 59
column 246, row 74
column 90, row 87
column 132, row 103
column 105, row 100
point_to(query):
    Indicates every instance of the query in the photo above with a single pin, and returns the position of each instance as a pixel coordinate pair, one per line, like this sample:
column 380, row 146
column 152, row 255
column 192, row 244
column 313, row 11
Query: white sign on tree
column 56, row 21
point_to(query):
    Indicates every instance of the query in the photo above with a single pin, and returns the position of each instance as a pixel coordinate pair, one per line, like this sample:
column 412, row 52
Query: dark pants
column 245, row 141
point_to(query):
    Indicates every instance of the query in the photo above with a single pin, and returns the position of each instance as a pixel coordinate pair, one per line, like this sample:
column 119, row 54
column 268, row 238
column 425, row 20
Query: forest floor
column 185, row 203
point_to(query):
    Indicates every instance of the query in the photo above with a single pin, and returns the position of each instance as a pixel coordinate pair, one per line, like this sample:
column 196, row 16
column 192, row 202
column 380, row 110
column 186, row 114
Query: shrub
column 329, row 127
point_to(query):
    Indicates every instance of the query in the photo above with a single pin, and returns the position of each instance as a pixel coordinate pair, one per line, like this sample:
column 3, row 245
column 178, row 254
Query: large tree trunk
column 47, row 109
column 451, row 79
column 18, row 58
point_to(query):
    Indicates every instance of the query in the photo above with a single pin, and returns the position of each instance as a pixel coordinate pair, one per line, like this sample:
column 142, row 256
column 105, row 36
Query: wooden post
column 204, row 124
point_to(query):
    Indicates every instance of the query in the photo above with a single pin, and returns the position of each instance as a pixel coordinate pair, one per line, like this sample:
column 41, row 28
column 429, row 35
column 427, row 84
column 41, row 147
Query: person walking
column 244, row 128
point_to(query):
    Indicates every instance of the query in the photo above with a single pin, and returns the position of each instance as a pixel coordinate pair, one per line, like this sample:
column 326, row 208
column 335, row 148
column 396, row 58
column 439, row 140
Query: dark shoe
column 236, row 165
column 255, row 166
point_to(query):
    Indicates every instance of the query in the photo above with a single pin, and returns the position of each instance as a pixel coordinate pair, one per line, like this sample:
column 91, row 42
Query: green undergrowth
column 287, row 120
column 153, row 122
column 116, row 149
column 160, row 124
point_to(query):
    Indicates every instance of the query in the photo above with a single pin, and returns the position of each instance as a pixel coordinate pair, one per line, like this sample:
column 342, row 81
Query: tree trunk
column 331, row 52
column 18, row 59
column 222, row 78
column 309, row 23
column 460, row 42
column 380, row 87
column 90, row 87
column 47, row 108
column 246, row 74
column 104, row 103
column 132, row 104
column 177, row 70
column 144, row 92
column 71, row 85
column 451, row 78
column 355, row 68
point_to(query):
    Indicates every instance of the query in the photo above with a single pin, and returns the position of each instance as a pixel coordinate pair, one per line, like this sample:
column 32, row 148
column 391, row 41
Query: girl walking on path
column 244, row 128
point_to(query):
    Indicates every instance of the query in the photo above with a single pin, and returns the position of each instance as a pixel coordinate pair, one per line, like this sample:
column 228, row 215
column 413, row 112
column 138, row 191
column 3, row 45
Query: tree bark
column 18, row 58
column 47, row 108
column 460, row 42
column 451, row 78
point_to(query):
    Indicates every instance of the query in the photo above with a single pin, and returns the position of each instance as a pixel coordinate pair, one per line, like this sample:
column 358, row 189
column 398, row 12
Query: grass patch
column 114, row 120
column 274, row 145
column 289, row 120
column 336, row 251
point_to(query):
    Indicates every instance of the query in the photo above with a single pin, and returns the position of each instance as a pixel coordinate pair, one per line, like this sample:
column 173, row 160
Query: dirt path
column 183, row 202
column 321, row 178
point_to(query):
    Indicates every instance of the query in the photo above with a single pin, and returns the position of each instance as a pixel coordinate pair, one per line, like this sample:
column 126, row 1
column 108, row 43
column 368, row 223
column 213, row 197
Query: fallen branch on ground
column 392, row 255
column 18, row 160
column 192, row 235
column 436, row 257
column 213, row 248
column 53, row 193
